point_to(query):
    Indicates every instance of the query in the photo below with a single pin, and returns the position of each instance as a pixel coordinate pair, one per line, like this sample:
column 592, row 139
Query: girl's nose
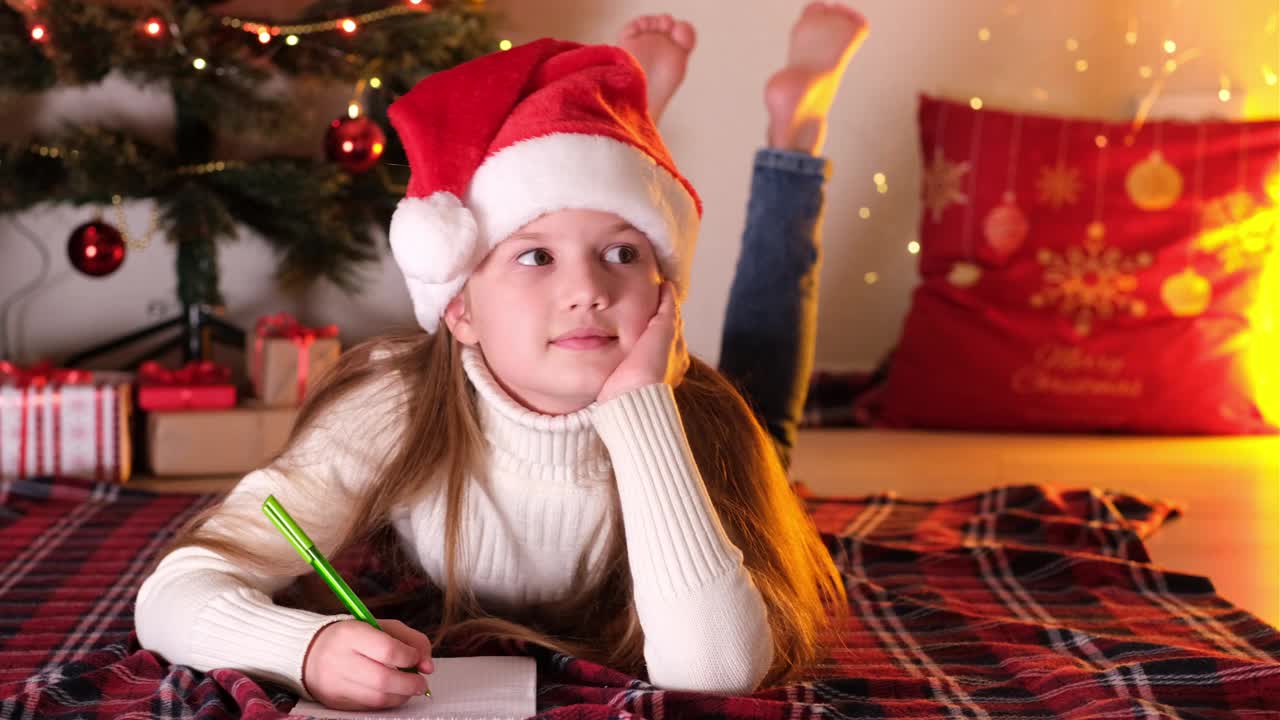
column 586, row 285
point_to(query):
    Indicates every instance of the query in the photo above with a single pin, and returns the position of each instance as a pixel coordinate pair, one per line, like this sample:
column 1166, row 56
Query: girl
column 550, row 455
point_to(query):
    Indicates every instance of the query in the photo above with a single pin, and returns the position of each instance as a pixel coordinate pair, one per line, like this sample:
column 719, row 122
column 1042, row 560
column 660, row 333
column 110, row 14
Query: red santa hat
column 499, row 141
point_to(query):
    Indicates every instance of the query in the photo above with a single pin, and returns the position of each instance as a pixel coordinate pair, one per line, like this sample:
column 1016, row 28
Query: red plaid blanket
column 1019, row 602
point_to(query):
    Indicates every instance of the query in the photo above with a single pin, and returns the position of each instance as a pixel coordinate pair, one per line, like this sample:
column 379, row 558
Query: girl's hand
column 352, row 666
column 659, row 355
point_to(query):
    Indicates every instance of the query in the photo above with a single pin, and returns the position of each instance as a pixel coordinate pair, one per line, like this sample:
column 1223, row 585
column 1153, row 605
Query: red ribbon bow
column 284, row 325
column 196, row 372
column 41, row 374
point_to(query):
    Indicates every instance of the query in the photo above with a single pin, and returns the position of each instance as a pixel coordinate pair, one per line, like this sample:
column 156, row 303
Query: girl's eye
column 624, row 254
column 534, row 257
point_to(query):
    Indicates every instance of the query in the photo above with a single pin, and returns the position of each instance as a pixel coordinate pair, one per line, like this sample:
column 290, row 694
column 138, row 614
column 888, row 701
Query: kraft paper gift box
column 216, row 442
column 285, row 358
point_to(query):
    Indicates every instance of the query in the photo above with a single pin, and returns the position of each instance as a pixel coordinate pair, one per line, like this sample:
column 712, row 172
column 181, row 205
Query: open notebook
column 470, row 688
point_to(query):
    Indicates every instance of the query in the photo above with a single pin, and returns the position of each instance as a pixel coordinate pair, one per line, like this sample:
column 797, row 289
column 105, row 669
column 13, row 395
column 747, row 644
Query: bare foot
column 799, row 96
column 662, row 45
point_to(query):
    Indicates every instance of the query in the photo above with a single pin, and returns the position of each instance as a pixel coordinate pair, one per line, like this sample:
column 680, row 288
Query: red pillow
column 1079, row 276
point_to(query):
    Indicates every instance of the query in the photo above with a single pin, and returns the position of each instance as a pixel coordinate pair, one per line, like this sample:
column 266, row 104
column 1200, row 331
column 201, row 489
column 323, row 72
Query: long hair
column 442, row 441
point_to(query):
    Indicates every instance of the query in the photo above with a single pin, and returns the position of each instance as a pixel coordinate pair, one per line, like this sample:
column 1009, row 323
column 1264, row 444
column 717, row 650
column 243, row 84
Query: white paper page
column 471, row 688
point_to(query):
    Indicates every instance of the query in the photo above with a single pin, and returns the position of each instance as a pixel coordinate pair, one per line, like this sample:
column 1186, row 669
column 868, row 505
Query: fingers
column 666, row 301
column 413, row 639
column 375, row 685
column 383, row 647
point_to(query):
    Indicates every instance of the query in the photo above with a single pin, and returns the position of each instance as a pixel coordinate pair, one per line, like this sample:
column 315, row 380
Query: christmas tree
column 225, row 71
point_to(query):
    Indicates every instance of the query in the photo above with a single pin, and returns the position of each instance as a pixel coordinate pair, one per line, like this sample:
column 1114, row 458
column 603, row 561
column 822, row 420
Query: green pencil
column 307, row 549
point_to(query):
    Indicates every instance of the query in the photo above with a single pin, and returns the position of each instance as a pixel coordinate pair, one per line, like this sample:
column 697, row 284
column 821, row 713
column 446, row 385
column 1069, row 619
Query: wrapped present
column 196, row 386
column 285, row 356
column 69, row 423
column 216, row 442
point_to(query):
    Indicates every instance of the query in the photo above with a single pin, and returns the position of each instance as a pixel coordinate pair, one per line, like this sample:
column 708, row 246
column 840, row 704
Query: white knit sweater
column 541, row 502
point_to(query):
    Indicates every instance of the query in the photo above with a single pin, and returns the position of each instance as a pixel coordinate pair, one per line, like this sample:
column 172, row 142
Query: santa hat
column 499, row 141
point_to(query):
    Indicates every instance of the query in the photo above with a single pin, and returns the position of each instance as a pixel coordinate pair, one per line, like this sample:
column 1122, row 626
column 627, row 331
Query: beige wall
column 712, row 127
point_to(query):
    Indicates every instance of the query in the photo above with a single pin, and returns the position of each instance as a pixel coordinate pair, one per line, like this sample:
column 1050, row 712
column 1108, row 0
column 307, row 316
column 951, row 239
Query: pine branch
column 321, row 221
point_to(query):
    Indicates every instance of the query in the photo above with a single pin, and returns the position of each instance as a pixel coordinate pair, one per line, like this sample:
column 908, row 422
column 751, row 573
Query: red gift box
column 197, row 386
column 67, row 423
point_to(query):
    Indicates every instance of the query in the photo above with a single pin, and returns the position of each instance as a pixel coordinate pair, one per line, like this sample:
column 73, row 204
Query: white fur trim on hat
column 434, row 238
column 430, row 300
column 563, row 171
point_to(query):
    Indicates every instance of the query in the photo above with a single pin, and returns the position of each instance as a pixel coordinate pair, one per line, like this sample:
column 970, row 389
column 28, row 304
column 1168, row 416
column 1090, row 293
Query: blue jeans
column 771, row 322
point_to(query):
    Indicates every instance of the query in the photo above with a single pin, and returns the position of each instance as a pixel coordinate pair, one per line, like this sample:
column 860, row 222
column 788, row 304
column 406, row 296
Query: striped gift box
column 73, row 425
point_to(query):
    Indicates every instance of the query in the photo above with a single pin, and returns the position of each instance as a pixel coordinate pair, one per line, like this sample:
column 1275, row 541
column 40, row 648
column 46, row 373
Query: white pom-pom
column 434, row 239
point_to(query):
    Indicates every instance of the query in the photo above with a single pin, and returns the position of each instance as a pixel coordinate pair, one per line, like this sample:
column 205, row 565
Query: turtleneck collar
column 531, row 437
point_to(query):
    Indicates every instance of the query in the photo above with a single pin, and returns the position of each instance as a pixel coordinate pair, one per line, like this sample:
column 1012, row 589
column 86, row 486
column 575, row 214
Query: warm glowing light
column 264, row 37
column 1170, row 47
column 878, row 178
column 1224, row 95
column 984, row 34
column 291, row 40
column 1170, row 65
column 1100, row 141
column 913, row 247
column 864, row 212
column 199, row 64
column 38, row 33
column 882, row 188
column 153, row 27
column 975, row 103
column 1072, row 44
column 504, row 45
column 1272, row 184
column 348, row 26
column 871, row 278
column 348, row 146
column 375, row 83
column 1082, row 65
column 377, row 148
column 1131, row 38
column 91, row 251
column 353, row 111
column 1269, row 75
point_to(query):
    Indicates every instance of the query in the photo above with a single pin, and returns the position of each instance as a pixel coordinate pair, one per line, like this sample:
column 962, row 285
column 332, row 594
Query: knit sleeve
column 204, row 610
column 705, row 623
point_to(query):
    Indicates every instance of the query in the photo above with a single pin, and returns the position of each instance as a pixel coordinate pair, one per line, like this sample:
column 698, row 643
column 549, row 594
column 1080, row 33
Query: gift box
column 68, row 423
column 196, row 386
column 216, row 442
column 285, row 357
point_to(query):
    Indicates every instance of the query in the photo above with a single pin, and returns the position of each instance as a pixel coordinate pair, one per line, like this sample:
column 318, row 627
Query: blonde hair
column 782, row 551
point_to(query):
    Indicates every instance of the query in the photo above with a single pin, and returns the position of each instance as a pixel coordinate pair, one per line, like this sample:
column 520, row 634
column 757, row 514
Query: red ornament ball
column 354, row 143
column 96, row 249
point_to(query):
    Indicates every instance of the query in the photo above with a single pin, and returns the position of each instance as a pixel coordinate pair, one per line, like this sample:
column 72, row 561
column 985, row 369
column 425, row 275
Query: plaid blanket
column 1020, row 602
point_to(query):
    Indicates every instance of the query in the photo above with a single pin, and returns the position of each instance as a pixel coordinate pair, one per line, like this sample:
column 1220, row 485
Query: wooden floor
column 1230, row 488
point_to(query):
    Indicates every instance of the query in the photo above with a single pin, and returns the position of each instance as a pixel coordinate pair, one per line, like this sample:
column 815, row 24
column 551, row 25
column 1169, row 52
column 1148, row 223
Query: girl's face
column 557, row 305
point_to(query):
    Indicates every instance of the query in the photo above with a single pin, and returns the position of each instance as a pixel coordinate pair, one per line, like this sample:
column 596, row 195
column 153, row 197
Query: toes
column 684, row 35
column 632, row 28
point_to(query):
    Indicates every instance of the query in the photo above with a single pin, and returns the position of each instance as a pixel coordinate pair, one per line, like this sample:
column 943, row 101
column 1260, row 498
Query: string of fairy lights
column 156, row 28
